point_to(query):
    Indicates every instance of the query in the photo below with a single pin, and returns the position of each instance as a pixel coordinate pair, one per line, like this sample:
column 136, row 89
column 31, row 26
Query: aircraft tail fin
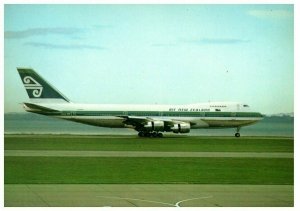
column 38, row 88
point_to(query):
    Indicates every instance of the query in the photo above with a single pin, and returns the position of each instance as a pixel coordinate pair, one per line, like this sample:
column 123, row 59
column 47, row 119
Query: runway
column 65, row 153
column 148, row 195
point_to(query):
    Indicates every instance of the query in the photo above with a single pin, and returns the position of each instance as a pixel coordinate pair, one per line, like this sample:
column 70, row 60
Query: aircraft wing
column 140, row 121
column 135, row 120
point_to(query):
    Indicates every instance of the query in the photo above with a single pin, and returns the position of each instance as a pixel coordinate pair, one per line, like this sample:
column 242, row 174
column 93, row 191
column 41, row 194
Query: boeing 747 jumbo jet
column 147, row 120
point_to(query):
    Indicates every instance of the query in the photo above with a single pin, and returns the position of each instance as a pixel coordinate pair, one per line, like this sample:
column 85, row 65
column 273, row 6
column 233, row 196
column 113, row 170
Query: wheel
column 160, row 135
column 237, row 135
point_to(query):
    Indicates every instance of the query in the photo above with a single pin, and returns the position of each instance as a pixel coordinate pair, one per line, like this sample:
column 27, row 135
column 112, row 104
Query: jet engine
column 154, row 126
column 181, row 128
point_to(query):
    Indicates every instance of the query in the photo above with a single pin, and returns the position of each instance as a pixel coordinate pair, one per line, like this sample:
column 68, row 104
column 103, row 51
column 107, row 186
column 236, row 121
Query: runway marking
column 204, row 197
column 158, row 202
column 66, row 153
column 38, row 196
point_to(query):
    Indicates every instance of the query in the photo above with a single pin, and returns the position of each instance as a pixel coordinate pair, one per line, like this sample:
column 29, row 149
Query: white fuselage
column 200, row 115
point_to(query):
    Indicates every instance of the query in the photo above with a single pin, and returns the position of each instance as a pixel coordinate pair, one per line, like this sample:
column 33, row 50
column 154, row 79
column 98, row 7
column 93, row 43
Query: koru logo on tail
column 31, row 84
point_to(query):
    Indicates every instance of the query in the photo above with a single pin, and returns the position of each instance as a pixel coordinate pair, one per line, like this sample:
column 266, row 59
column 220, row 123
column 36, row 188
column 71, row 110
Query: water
column 20, row 123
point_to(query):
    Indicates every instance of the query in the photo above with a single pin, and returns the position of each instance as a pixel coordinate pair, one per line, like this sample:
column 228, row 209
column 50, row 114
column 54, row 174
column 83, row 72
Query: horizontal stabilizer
column 35, row 107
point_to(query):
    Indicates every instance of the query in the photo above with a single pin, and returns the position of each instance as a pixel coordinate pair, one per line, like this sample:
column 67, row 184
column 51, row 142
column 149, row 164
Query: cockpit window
column 245, row 106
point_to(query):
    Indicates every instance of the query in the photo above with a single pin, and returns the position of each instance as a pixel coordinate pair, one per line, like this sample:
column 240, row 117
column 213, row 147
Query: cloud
column 42, row 31
column 65, row 47
column 271, row 14
column 213, row 41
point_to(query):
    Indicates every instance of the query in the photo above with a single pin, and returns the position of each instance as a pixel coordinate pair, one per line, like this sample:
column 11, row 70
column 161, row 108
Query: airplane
column 147, row 120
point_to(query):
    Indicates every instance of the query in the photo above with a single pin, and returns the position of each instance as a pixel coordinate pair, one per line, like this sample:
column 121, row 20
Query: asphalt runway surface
column 55, row 153
column 148, row 195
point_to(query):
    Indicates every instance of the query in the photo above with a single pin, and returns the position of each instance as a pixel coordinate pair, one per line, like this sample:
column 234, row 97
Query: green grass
column 87, row 170
column 131, row 143
column 129, row 170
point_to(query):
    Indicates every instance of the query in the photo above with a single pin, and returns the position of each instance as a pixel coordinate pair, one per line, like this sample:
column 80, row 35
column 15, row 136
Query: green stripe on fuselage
column 158, row 113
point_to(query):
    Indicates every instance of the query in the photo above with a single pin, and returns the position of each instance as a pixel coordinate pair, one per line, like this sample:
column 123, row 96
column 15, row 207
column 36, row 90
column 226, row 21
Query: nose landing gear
column 237, row 134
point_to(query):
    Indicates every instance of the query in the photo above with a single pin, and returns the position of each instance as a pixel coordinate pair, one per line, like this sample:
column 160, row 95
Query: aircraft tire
column 237, row 135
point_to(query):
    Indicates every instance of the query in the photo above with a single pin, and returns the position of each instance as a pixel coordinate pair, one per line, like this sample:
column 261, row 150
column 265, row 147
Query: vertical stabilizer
column 38, row 88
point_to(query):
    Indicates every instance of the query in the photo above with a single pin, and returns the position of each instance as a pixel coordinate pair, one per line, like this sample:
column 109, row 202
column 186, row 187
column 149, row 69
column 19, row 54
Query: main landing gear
column 150, row 134
column 237, row 134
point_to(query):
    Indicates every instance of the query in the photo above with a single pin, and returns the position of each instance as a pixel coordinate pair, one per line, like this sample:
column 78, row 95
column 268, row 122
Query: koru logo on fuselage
column 31, row 84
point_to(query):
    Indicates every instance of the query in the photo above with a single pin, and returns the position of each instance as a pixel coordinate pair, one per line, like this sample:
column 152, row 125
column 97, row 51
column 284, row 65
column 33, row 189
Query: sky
column 154, row 54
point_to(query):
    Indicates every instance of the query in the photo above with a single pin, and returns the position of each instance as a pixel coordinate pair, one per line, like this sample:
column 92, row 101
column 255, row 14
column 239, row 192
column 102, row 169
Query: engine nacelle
column 154, row 126
column 181, row 128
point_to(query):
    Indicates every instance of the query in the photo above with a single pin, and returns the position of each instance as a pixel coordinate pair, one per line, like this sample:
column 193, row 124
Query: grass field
column 51, row 170
column 132, row 143
column 62, row 170
column 70, row 170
